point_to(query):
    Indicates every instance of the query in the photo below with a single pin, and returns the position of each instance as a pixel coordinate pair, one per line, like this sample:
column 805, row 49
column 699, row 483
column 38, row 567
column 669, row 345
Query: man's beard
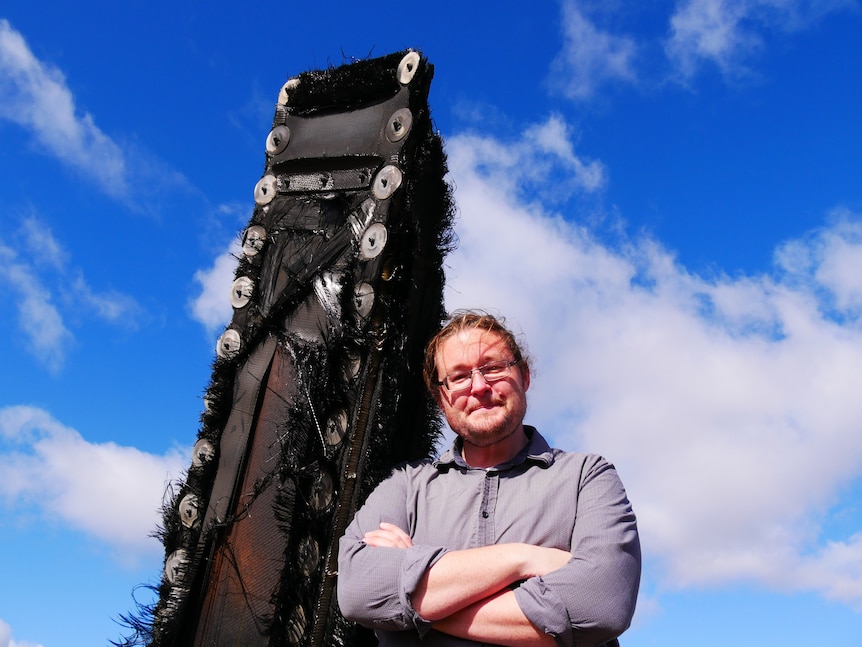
column 484, row 433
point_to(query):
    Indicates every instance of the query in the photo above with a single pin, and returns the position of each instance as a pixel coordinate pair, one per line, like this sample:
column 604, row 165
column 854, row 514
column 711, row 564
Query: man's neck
column 499, row 452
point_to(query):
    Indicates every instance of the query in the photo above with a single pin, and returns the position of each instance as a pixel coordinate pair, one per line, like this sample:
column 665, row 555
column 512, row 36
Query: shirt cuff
column 545, row 609
column 416, row 562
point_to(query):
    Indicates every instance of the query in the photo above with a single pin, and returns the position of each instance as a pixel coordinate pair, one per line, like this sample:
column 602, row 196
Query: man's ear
column 525, row 375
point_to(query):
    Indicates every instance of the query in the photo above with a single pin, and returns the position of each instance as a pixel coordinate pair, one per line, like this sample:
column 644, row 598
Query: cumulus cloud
column 111, row 492
column 6, row 637
column 590, row 56
column 34, row 95
column 727, row 33
column 37, row 272
column 212, row 306
column 729, row 404
column 830, row 258
column 544, row 155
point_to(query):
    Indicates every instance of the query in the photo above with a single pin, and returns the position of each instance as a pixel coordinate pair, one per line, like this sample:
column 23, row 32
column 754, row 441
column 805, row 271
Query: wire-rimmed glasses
column 490, row 372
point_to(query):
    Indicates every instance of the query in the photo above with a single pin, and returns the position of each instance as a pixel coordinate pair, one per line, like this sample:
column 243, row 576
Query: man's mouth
column 488, row 406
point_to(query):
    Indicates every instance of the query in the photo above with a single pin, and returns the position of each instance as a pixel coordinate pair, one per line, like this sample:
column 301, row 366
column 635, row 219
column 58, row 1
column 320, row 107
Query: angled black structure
column 316, row 390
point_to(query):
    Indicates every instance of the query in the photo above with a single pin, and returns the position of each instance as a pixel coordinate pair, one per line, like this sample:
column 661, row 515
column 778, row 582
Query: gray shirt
column 544, row 497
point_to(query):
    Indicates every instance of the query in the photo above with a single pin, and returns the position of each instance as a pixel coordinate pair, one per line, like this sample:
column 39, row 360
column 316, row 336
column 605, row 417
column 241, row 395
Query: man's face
column 483, row 413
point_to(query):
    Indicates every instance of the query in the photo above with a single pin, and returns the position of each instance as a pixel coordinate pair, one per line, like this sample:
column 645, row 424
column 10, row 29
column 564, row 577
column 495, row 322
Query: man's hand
column 465, row 591
column 388, row 535
column 463, row 577
column 541, row 561
column 535, row 560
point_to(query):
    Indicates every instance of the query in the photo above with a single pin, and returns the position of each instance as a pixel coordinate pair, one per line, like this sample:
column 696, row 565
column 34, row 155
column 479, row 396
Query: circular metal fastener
column 407, row 67
column 363, row 299
column 265, row 189
column 399, row 125
column 294, row 628
column 253, row 240
column 284, row 93
column 190, row 511
column 175, row 565
column 336, row 428
column 202, row 453
column 321, row 492
column 228, row 344
column 386, row 182
column 373, row 241
column 309, row 556
column 277, row 140
column 241, row 291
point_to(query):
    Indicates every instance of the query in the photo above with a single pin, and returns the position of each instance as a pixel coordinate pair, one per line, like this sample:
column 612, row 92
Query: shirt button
column 484, row 515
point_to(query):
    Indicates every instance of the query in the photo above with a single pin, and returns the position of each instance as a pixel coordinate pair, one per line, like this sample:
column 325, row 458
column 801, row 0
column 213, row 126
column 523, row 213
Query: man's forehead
column 471, row 341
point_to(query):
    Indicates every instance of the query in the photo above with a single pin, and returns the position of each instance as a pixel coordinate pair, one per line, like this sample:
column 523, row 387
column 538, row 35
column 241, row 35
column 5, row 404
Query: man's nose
column 481, row 385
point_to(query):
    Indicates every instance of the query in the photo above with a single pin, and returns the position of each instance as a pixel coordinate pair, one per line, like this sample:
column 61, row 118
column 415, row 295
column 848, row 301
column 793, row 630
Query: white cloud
column 37, row 273
column 543, row 156
column 725, row 33
column 6, row 637
column 730, row 405
column 43, row 247
column 212, row 306
column 111, row 492
column 34, row 95
column 110, row 306
column 836, row 255
column 729, row 32
column 710, row 30
column 590, row 57
column 38, row 316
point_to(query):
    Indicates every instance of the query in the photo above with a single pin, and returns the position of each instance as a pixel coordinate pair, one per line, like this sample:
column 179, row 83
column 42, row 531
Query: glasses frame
column 481, row 370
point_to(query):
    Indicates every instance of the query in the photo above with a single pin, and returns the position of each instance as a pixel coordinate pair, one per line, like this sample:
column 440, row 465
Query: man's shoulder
column 579, row 460
column 412, row 468
column 540, row 449
column 417, row 465
column 404, row 476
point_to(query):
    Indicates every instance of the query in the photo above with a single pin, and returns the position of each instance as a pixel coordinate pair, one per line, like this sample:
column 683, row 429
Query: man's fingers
column 388, row 535
column 395, row 530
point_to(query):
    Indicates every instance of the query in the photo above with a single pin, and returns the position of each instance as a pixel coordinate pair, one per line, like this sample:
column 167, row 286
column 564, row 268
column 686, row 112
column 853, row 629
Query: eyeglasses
column 491, row 372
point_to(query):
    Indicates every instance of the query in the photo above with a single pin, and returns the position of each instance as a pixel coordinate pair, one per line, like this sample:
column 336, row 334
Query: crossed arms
column 466, row 593
column 406, row 563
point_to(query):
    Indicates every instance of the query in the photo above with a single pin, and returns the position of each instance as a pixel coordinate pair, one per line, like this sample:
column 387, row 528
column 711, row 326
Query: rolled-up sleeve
column 592, row 598
column 375, row 583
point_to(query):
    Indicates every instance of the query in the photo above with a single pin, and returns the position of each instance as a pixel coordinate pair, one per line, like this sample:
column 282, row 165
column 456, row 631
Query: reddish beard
column 482, row 432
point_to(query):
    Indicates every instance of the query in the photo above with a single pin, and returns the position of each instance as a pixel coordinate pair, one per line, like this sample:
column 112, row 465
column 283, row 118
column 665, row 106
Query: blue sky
column 664, row 197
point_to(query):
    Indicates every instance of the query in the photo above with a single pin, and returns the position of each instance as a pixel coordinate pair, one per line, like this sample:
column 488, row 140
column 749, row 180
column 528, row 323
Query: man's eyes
column 496, row 367
column 492, row 370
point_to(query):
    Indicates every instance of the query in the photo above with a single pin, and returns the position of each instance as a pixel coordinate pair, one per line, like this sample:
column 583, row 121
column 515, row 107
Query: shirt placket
column 487, row 511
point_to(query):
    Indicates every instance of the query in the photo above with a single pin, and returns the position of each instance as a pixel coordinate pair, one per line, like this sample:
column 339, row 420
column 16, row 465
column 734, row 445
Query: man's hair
column 468, row 320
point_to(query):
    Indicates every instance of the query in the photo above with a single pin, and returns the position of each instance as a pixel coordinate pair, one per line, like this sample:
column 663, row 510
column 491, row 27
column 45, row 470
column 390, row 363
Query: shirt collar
column 536, row 450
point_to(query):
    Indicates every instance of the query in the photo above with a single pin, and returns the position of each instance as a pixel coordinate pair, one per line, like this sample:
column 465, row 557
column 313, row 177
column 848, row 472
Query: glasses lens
column 495, row 371
column 490, row 372
column 459, row 380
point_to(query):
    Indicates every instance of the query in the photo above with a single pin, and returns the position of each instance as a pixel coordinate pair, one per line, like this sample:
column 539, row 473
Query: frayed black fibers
column 316, row 390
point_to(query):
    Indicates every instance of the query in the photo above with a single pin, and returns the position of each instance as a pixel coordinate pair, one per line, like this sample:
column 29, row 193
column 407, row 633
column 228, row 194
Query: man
column 502, row 539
